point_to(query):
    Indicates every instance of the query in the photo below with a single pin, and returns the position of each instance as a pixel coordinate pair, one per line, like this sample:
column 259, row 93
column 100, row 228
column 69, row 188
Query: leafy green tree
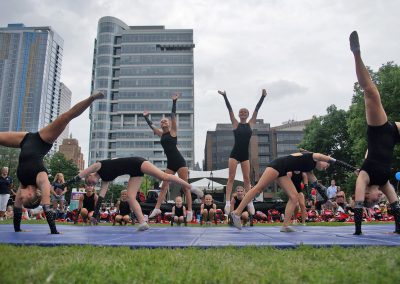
column 59, row 164
column 114, row 192
column 9, row 158
column 328, row 135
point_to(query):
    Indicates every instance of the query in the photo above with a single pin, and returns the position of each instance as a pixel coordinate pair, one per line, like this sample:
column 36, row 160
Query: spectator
column 87, row 204
column 9, row 213
column 332, row 190
column 235, row 201
column 57, row 193
column 208, row 210
column 179, row 211
column 6, row 185
column 341, row 198
column 123, row 209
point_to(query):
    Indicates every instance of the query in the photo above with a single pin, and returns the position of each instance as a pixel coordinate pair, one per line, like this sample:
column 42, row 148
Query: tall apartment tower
column 64, row 104
column 30, row 67
column 140, row 68
column 219, row 144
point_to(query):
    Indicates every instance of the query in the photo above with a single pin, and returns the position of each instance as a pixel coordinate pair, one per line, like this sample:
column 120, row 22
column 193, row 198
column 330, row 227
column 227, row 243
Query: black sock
column 50, row 217
column 17, row 219
column 358, row 213
column 396, row 214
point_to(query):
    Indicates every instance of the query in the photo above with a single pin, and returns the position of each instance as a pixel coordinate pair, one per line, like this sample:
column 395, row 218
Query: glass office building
column 140, row 68
column 30, row 67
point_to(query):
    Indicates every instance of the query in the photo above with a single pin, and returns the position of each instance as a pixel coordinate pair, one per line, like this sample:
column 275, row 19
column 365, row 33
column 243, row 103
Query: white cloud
column 298, row 50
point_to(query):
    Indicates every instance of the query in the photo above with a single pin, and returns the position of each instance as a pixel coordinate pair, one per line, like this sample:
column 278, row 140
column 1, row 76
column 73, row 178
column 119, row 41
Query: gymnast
column 277, row 171
column 135, row 167
column 175, row 161
column 242, row 131
column 34, row 186
column 297, row 178
column 382, row 136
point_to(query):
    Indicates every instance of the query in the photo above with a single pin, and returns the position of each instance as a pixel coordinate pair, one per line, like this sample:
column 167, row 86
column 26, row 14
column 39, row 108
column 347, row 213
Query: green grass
column 87, row 264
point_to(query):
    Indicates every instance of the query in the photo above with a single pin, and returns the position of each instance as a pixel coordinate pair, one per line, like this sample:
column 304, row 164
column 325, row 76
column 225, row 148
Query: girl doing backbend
column 277, row 171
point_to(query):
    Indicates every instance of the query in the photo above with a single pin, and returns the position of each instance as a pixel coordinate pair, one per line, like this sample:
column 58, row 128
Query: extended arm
column 229, row 107
column 173, row 115
column 252, row 121
column 156, row 131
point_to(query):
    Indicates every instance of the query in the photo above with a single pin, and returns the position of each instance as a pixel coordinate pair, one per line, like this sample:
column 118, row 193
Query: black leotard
column 88, row 202
column 237, row 202
column 297, row 179
column 33, row 150
column 110, row 169
column 178, row 211
column 285, row 164
column 208, row 207
column 381, row 142
column 242, row 134
column 175, row 160
column 124, row 208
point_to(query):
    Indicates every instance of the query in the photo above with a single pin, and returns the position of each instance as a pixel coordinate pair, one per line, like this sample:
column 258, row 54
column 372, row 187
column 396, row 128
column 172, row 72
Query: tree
column 9, row 158
column 328, row 135
column 59, row 164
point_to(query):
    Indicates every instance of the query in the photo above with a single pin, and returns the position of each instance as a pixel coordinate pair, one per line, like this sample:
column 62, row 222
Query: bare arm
column 305, row 178
column 233, row 201
column 184, row 211
column 253, row 118
column 173, row 210
column 80, row 204
column 201, row 208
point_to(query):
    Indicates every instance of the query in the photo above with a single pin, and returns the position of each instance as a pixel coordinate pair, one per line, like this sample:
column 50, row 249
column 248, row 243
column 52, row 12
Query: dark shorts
column 378, row 173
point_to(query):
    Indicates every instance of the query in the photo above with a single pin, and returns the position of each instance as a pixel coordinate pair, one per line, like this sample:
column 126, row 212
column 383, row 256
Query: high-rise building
column 30, row 67
column 140, row 68
column 64, row 104
column 72, row 151
column 219, row 144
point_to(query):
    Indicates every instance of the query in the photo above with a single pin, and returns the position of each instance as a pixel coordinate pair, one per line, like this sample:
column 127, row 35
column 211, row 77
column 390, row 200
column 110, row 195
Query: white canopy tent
column 224, row 173
column 208, row 185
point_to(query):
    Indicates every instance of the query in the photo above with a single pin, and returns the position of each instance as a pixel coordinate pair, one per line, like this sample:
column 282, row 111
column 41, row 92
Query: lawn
column 87, row 264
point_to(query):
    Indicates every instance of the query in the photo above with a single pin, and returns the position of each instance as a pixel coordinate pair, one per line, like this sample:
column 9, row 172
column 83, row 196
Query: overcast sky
column 297, row 50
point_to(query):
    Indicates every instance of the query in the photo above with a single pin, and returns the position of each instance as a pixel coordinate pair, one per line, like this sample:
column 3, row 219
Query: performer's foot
column 155, row 213
column 236, row 222
column 197, row 191
column 97, row 95
column 354, row 42
column 287, row 230
column 143, row 227
column 357, row 233
column 189, row 216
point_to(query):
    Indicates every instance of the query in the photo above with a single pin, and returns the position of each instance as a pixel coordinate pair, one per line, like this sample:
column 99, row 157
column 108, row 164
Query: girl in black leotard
column 87, row 203
column 123, row 209
column 277, row 171
column 175, row 161
column 208, row 209
column 240, row 153
column 298, row 178
column 235, row 201
column 135, row 167
column 34, row 186
column 382, row 136
column 178, row 211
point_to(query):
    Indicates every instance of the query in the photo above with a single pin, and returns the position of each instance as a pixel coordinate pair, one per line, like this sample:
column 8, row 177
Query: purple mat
column 218, row 236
